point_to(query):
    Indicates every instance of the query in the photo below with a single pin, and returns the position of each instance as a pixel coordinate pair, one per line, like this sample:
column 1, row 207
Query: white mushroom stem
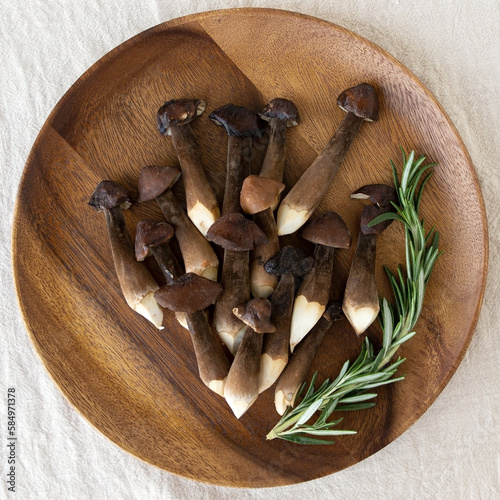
column 137, row 284
column 202, row 207
column 361, row 301
column 235, row 284
column 276, row 345
column 242, row 383
column 197, row 253
column 307, row 193
column 312, row 296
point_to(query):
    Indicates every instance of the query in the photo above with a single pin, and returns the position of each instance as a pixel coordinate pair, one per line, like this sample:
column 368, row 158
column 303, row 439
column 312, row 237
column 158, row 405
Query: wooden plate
column 140, row 386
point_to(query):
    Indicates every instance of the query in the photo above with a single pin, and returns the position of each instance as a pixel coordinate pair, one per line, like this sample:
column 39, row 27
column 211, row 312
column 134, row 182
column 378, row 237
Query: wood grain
column 140, row 387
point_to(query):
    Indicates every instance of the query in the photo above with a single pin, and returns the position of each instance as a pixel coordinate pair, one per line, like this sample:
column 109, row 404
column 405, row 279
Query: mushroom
column 361, row 301
column 288, row 263
column 296, row 370
column 328, row 232
column 137, row 284
column 241, row 125
column 197, row 253
column 237, row 235
column 191, row 294
column 280, row 113
column 258, row 195
column 242, row 384
column 151, row 238
column 173, row 119
column 360, row 103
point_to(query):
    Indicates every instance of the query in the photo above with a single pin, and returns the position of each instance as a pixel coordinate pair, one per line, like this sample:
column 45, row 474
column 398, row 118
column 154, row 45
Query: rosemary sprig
column 352, row 389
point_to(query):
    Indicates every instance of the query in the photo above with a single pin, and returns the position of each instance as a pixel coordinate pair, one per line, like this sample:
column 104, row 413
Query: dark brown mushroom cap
column 328, row 229
column 178, row 112
column 259, row 193
column 256, row 314
column 289, row 260
column 153, row 181
column 334, row 311
column 368, row 214
column 235, row 232
column 238, row 121
column 281, row 109
column 380, row 194
column 109, row 194
column 148, row 234
column 362, row 100
column 189, row 293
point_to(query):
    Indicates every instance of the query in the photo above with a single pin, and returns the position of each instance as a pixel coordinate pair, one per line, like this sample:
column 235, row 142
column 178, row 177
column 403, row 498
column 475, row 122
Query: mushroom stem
column 213, row 365
column 281, row 113
column 137, row 284
column 171, row 269
column 307, row 193
column 242, row 383
column 262, row 284
column 235, row 283
column 312, row 296
column 235, row 273
column 202, row 207
column 276, row 345
column 274, row 160
column 361, row 302
column 242, row 387
column 167, row 262
column 238, row 166
column 296, row 370
column 197, row 253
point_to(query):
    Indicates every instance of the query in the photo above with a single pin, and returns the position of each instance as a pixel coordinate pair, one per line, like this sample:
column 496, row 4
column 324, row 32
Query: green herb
column 351, row 390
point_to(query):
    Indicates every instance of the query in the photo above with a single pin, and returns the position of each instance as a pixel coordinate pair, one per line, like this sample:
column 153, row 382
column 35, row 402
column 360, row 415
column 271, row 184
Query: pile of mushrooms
column 259, row 319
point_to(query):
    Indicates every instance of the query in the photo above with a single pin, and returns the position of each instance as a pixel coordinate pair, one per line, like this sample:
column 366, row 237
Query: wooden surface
column 139, row 386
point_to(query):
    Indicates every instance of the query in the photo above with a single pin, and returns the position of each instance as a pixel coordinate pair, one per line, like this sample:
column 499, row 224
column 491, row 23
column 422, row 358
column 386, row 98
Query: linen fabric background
column 453, row 451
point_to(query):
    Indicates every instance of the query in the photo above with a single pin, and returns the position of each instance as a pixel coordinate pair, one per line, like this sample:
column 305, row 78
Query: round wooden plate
column 139, row 386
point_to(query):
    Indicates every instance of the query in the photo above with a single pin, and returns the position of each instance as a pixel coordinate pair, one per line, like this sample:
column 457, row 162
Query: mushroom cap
column 148, row 234
column 235, row 232
column 289, row 260
column 189, row 293
column 281, row 109
column 362, row 100
column 238, row 121
column 334, row 311
column 328, row 229
column 369, row 213
column 109, row 194
column 153, row 181
column 379, row 194
column 259, row 193
column 178, row 112
column 256, row 314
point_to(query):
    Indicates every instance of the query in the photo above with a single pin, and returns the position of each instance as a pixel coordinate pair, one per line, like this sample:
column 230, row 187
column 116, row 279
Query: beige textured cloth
column 453, row 451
